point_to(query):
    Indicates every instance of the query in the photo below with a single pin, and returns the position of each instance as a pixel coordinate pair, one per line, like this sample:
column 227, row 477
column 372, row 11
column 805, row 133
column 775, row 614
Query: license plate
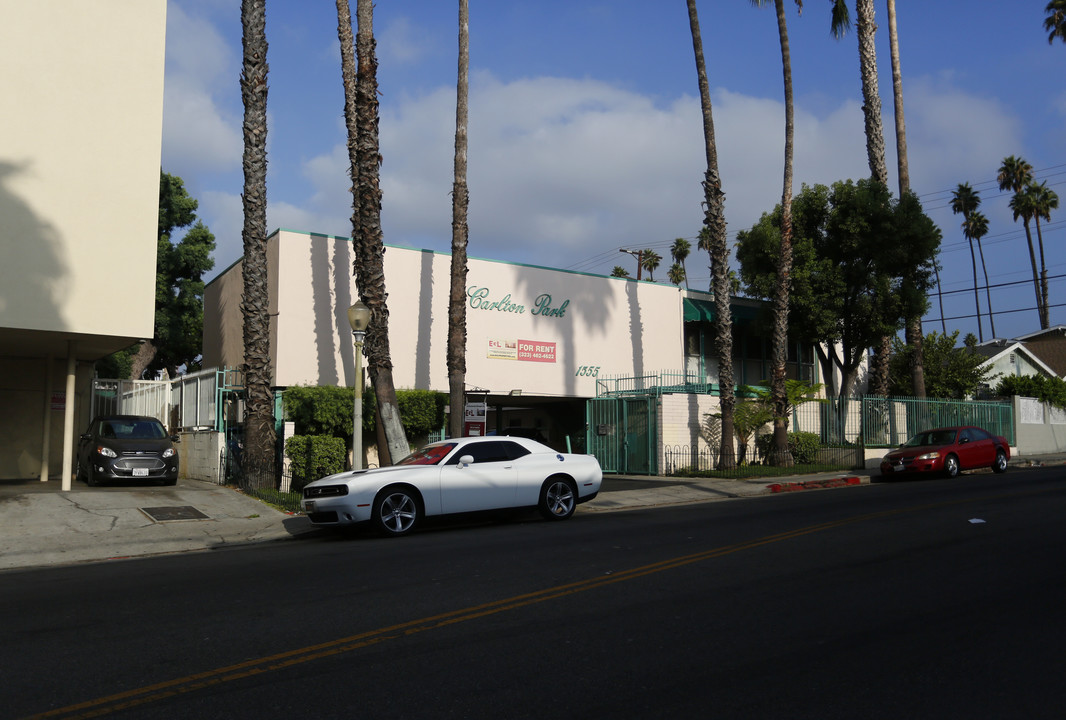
column 897, row 468
column 309, row 505
column 140, row 472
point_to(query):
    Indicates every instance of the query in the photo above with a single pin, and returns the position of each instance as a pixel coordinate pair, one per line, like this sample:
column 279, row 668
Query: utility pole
column 639, row 255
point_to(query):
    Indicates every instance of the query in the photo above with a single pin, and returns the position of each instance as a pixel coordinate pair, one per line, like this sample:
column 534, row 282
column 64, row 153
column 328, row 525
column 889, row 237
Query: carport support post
column 68, row 419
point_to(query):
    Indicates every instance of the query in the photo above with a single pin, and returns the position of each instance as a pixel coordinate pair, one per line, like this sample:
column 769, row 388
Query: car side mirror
column 175, row 438
column 466, row 460
column 964, row 441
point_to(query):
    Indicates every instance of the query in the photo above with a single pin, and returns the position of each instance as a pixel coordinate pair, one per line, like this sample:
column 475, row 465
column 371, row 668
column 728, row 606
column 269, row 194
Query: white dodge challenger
column 456, row 476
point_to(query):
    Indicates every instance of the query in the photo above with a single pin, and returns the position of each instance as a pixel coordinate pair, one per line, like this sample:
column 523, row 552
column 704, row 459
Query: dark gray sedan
column 127, row 448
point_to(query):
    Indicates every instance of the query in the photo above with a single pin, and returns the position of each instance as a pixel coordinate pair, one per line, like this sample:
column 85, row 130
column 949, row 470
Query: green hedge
column 1051, row 390
column 803, row 446
column 314, row 457
column 327, row 410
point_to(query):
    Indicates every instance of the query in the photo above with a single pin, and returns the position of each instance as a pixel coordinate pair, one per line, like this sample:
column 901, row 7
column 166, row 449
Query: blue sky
column 585, row 130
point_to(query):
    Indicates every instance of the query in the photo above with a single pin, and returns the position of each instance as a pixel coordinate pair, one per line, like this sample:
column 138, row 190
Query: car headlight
column 169, row 452
column 106, row 451
column 928, row 456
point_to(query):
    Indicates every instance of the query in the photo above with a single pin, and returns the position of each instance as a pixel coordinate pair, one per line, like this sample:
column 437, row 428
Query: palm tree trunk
column 367, row 235
column 259, row 437
column 460, row 234
column 988, row 291
column 976, row 297
column 915, row 335
column 940, row 298
column 1045, row 319
column 714, row 220
column 779, row 353
column 1041, row 311
column 871, row 99
column 875, row 153
column 897, row 102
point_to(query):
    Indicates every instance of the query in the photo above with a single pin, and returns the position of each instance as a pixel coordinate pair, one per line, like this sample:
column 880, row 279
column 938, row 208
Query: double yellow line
column 272, row 663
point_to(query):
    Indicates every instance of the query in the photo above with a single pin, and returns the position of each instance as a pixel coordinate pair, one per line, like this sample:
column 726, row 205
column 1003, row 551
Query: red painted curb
column 814, row 484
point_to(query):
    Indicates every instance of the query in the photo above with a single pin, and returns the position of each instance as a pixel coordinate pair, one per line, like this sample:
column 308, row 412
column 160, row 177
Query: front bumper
column 335, row 511
column 135, row 468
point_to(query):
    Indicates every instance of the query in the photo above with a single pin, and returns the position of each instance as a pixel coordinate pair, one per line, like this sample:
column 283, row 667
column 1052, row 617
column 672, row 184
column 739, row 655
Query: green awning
column 698, row 310
column 703, row 311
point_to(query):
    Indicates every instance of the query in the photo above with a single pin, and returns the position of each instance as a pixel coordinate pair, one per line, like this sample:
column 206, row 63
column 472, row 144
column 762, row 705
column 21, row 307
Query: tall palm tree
column 679, row 251
column 713, row 239
column 649, row 260
column 1055, row 22
column 257, row 462
column 976, row 227
column 914, row 333
column 460, row 234
column 875, row 140
column 780, row 454
column 361, row 110
column 964, row 201
column 1014, row 175
column 1044, row 200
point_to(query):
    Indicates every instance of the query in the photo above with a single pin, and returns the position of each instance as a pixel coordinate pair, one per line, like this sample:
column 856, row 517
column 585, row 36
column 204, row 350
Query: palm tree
column 875, row 140
column 977, row 227
column 361, row 96
column 460, row 234
column 914, row 332
column 1014, row 175
column 781, row 455
column 1044, row 200
column 679, row 251
column 259, row 438
column 705, row 242
column 964, row 201
column 649, row 260
column 713, row 239
column 619, row 271
column 676, row 274
column 1055, row 22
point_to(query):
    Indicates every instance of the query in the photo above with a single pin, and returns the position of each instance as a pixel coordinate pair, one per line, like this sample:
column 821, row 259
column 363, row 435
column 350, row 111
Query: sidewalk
column 42, row 526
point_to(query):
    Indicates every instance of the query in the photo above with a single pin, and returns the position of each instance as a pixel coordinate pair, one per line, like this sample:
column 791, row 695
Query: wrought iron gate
column 623, row 434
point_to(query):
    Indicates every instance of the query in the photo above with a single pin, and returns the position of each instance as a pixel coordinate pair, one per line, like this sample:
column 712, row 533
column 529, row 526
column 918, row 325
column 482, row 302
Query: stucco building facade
column 80, row 137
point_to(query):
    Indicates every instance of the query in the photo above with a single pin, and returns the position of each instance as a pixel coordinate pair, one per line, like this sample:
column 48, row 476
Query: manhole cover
column 166, row 514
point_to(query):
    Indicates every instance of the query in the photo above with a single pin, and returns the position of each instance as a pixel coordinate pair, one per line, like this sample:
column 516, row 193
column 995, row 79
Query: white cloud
column 563, row 170
column 199, row 133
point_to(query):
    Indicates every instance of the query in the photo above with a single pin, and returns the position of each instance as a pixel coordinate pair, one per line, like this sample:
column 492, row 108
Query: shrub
column 803, row 446
column 327, row 410
column 1045, row 389
column 314, row 457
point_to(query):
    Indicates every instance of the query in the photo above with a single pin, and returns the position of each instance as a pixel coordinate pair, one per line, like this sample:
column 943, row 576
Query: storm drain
column 169, row 514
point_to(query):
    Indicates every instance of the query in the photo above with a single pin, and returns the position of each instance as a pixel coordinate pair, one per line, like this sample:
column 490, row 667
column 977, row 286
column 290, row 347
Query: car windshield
column 429, row 455
column 931, row 437
column 133, row 429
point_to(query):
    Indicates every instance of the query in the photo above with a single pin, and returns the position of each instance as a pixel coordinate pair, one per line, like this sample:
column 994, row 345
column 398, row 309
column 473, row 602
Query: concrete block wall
column 199, row 454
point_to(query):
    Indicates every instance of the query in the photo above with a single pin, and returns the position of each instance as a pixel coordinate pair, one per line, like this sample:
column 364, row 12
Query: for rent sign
column 524, row 350
column 534, row 351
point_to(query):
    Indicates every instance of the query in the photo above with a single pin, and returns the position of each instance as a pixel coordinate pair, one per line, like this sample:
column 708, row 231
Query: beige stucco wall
column 609, row 326
column 82, row 91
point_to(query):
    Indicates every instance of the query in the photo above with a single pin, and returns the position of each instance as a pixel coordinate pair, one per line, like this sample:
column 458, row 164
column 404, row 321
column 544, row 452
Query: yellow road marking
column 179, row 686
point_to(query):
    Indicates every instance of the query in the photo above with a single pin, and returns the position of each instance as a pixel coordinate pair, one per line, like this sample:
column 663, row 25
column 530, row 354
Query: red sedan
column 948, row 450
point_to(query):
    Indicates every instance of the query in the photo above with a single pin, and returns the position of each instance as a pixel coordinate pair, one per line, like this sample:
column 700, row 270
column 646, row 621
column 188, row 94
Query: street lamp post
column 358, row 318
